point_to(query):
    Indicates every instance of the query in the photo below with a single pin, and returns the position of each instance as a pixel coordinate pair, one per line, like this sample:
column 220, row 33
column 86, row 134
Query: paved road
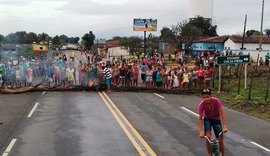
column 171, row 130
column 66, row 124
column 83, row 124
column 12, row 111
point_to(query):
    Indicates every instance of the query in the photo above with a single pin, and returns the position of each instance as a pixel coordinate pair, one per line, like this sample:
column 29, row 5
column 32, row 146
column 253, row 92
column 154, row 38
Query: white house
column 251, row 46
column 115, row 50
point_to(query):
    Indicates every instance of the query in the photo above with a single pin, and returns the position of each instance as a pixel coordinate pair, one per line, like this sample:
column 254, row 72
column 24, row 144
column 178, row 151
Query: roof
column 216, row 39
column 112, row 43
column 9, row 46
column 251, row 39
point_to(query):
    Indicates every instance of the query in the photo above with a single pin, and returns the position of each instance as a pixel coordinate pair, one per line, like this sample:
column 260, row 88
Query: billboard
column 145, row 25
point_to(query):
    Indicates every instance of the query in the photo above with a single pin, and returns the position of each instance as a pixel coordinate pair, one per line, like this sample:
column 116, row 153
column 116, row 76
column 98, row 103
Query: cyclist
column 211, row 114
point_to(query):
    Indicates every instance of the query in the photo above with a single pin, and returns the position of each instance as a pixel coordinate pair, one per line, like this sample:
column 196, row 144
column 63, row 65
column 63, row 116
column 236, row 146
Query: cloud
column 108, row 18
column 229, row 15
column 13, row 3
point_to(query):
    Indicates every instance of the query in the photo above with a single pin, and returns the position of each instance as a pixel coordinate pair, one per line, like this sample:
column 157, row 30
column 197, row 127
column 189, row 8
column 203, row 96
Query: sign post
column 228, row 60
column 219, row 86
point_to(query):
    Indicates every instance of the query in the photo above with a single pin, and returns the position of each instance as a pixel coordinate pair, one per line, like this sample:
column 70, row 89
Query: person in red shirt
column 207, row 76
column 211, row 115
column 135, row 75
column 200, row 75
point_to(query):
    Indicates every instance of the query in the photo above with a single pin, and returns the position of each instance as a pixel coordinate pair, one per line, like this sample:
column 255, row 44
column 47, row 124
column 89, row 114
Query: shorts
column 200, row 77
column 149, row 79
column 108, row 81
column 215, row 124
column 159, row 83
column 143, row 77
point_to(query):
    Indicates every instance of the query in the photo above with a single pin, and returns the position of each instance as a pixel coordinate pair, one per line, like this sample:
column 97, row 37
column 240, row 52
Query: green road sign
column 224, row 60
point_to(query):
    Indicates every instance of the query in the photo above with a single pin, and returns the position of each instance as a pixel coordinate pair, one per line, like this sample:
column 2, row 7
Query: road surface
column 120, row 123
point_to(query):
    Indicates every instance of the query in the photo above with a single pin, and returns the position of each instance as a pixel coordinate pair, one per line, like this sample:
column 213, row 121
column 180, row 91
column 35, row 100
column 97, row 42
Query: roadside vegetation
column 257, row 105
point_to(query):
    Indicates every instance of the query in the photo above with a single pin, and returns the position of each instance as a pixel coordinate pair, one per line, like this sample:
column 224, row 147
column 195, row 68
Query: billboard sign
column 145, row 25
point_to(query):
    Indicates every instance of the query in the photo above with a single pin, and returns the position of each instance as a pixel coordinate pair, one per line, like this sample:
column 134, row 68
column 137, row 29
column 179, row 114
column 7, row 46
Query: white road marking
column 32, row 111
column 11, row 144
column 159, row 95
column 43, row 93
column 264, row 148
column 190, row 111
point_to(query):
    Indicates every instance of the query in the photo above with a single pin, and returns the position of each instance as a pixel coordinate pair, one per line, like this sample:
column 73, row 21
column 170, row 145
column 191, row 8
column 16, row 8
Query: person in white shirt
column 70, row 75
column 18, row 77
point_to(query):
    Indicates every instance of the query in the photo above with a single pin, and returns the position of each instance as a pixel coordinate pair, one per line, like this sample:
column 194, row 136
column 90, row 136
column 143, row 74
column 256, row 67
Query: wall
column 250, row 49
column 117, row 52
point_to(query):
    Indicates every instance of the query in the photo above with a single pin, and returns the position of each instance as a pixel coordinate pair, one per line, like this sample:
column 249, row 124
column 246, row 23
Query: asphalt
column 13, row 109
column 171, row 130
column 80, row 123
column 69, row 124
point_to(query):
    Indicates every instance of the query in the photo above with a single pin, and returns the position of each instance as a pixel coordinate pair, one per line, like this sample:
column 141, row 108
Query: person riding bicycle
column 211, row 114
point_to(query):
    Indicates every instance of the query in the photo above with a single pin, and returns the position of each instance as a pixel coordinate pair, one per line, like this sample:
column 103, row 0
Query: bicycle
column 214, row 146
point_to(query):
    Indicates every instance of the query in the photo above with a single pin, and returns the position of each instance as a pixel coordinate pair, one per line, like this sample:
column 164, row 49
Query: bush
column 239, row 98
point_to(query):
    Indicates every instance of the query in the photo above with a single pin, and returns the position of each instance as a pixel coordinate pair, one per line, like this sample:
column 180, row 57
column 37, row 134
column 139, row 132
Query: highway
column 119, row 123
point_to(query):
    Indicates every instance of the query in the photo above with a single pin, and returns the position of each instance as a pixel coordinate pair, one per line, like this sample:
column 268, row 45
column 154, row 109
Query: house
column 251, row 45
column 115, row 50
column 166, row 48
column 10, row 49
column 208, row 44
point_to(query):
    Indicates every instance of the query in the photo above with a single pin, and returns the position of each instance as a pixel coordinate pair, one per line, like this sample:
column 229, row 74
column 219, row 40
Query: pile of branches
column 100, row 87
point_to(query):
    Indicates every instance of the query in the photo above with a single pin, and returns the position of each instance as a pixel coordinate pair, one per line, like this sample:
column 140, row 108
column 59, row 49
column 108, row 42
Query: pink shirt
column 210, row 113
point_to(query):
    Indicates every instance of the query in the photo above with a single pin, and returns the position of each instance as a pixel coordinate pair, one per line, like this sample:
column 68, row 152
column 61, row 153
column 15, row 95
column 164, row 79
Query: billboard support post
column 144, row 50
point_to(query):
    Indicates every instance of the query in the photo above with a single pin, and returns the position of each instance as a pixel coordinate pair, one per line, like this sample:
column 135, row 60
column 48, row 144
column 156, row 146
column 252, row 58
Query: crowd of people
column 88, row 68
column 152, row 72
column 52, row 70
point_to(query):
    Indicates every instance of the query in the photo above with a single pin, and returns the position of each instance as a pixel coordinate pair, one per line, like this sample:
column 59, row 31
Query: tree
column 133, row 43
column 252, row 32
column 63, row 39
column 88, row 40
column 116, row 38
column 167, row 35
column 186, row 32
column 204, row 25
column 25, row 50
column 32, row 37
column 43, row 37
column 56, row 41
column 73, row 40
column 1, row 38
column 267, row 32
column 22, row 37
column 182, row 32
column 152, row 42
column 11, row 38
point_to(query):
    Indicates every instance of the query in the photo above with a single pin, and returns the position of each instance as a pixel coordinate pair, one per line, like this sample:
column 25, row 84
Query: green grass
column 257, row 106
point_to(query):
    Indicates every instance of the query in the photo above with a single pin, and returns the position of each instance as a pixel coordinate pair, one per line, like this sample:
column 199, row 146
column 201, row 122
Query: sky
column 109, row 18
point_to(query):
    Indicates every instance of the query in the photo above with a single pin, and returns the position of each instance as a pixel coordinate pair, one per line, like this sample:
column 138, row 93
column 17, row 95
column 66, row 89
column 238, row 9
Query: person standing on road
column 108, row 77
column 211, row 114
column 143, row 72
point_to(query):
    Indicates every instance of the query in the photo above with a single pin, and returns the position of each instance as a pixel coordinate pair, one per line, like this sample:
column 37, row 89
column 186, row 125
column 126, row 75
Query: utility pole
column 261, row 33
column 241, row 65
